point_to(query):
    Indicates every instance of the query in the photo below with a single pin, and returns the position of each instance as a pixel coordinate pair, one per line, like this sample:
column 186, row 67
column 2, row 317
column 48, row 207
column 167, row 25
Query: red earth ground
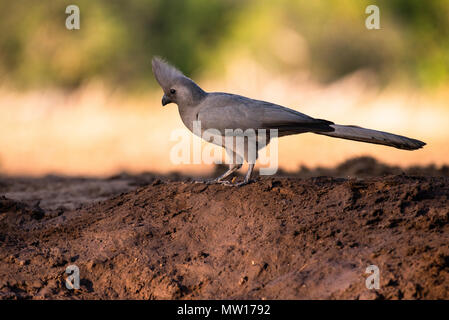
column 304, row 235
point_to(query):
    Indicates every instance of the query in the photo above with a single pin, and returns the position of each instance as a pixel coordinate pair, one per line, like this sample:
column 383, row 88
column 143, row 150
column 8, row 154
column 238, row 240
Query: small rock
column 91, row 264
column 156, row 182
column 44, row 293
column 36, row 284
column 367, row 295
column 22, row 262
column 243, row 280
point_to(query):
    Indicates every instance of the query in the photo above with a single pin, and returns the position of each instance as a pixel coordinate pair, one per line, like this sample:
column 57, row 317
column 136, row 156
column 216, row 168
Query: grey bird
column 220, row 111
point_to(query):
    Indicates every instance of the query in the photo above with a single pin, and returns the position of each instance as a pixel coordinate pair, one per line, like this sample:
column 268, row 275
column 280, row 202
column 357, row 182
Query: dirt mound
column 277, row 238
column 365, row 167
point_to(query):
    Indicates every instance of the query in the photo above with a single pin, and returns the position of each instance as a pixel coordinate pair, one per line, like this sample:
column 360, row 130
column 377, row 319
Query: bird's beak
column 165, row 100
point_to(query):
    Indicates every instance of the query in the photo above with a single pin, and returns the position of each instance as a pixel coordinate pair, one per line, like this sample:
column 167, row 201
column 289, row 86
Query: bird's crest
column 165, row 73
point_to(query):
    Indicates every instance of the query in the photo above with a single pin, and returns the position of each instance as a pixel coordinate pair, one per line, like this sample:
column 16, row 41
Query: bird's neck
column 189, row 111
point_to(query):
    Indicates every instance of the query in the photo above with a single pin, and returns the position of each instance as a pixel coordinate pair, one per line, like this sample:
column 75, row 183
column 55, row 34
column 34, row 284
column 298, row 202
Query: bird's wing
column 236, row 112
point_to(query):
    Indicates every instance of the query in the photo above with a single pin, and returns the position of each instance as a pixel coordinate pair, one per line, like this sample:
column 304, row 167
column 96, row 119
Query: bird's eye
column 172, row 91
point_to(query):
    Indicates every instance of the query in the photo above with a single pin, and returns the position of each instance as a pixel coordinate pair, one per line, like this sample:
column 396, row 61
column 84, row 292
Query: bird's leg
column 232, row 168
column 249, row 152
column 245, row 181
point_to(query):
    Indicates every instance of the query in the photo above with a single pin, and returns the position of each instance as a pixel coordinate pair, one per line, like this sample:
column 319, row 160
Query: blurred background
column 84, row 102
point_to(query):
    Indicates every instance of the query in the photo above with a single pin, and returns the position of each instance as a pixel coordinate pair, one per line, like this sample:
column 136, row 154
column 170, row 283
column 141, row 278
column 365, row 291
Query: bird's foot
column 234, row 184
column 207, row 181
column 227, row 183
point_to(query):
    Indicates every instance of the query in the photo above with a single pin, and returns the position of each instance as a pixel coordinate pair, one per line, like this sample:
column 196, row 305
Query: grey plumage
column 222, row 111
column 373, row 136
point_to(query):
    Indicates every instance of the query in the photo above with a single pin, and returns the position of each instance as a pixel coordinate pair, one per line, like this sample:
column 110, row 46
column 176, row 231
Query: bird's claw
column 207, row 181
column 230, row 184
column 223, row 182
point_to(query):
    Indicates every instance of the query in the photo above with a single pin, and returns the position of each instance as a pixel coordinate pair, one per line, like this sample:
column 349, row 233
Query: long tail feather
column 373, row 136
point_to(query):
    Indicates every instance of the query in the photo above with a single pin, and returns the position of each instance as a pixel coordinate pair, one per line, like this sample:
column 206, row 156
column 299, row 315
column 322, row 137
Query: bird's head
column 176, row 86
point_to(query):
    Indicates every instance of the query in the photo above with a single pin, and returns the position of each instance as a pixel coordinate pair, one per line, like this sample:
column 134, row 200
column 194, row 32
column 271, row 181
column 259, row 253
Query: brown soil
column 147, row 237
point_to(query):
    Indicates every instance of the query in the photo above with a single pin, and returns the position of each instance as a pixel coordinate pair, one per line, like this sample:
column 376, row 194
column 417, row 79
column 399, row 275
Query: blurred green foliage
column 118, row 38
